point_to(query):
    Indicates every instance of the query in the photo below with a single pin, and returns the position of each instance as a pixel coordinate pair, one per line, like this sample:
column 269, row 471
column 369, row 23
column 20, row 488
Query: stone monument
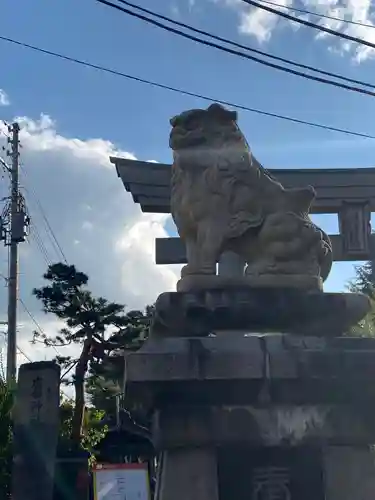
column 36, row 424
column 253, row 389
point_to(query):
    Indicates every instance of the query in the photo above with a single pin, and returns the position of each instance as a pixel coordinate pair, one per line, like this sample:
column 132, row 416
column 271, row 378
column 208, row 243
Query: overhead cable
column 236, row 52
column 299, row 20
column 186, row 92
column 317, row 14
column 245, row 47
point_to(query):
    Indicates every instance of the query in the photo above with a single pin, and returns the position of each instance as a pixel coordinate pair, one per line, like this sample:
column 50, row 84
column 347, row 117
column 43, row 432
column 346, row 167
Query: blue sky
column 86, row 104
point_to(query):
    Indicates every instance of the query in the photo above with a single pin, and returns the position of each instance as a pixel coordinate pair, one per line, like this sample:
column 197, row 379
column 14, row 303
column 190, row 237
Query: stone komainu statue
column 223, row 199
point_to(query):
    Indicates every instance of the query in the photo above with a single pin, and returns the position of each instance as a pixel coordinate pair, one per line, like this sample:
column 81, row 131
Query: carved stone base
column 277, row 369
column 197, row 282
column 187, row 473
column 349, row 472
column 257, row 309
column 259, row 417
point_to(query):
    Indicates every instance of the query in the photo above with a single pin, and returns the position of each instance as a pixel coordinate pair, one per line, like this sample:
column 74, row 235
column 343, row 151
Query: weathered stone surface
column 195, row 359
column 172, row 250
column 278, row 425
column 228, row 304
column 36, row 428
column 223, row 199
column 280, row 369
column 270, row 473
column 349, row 473
column 189, row 473
column 149, row 184
column 202, row 282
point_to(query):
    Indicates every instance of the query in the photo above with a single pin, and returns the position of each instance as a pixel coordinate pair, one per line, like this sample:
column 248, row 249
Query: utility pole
column 14, row 223
column 13, row 255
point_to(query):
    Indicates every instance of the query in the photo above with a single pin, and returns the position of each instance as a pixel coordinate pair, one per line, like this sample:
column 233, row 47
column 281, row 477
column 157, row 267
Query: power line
column 30, row 360
column 43, row 333
column 21, row 351
column 241, row 46
column 52, row 234
column 309, row 24
column 4, row 165
column 24, row 354
column 37, row 238
column 27, row 310
column 34, row 234
column 18, row 348
column 44, row 252
column 310, row 13
column 68, row 370
column 186, row 92
column 37, row 325
column 236, row 52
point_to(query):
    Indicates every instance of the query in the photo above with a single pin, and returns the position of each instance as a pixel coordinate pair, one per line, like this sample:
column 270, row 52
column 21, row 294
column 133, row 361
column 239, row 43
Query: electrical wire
column 24, row 354
column 236, row 52
column 34, row 234
column 42, row 332
column 37, row 325
column 308, row 23
column 310, row 13
column 44, row 252
column 21, row 351
column 4, row 165
column 30, row 360
column 43, row 249
column 54, row 239
column 18, row 348
column 74, row 363
column 186, row 92
column 245, row 47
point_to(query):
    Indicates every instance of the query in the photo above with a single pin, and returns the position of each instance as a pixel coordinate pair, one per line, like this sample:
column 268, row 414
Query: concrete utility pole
column 13, row 263
column 14, row 224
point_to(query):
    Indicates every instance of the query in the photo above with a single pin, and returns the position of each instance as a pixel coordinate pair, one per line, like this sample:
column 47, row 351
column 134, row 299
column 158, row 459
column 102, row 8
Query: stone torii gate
column 349, row 193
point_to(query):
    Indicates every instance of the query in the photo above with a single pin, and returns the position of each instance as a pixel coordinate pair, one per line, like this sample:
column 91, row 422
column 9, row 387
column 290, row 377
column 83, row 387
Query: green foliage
column 6, row 404
column 93, row 428
column 101, row 329
column 66, row 297
column 364, row 282
column 106, row 376
column 366, row 327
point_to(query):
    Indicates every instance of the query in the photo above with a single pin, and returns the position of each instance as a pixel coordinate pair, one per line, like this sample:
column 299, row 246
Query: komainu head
column 207, row 131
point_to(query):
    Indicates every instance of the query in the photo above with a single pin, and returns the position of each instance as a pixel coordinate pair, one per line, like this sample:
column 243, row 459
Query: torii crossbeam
column 350, row 193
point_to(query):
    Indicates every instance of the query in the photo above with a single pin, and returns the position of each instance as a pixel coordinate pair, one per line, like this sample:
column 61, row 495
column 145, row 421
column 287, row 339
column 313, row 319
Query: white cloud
column 259, row 22
column 95, row 220
column 4, row 99
column 263, row 25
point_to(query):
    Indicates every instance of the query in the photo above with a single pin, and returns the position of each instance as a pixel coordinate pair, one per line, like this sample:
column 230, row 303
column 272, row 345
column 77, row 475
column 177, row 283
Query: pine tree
column 106, row 377
column 364, row 282
column 97, row 326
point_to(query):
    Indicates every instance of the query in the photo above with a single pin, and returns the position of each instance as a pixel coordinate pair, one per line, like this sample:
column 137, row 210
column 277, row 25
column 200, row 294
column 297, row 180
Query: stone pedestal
column 189, row 473
column 263, row 417
column 350, row 472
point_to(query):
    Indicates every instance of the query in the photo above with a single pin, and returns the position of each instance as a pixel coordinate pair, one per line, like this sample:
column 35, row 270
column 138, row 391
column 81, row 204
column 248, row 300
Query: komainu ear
column 219, row 111
column 173, row 121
